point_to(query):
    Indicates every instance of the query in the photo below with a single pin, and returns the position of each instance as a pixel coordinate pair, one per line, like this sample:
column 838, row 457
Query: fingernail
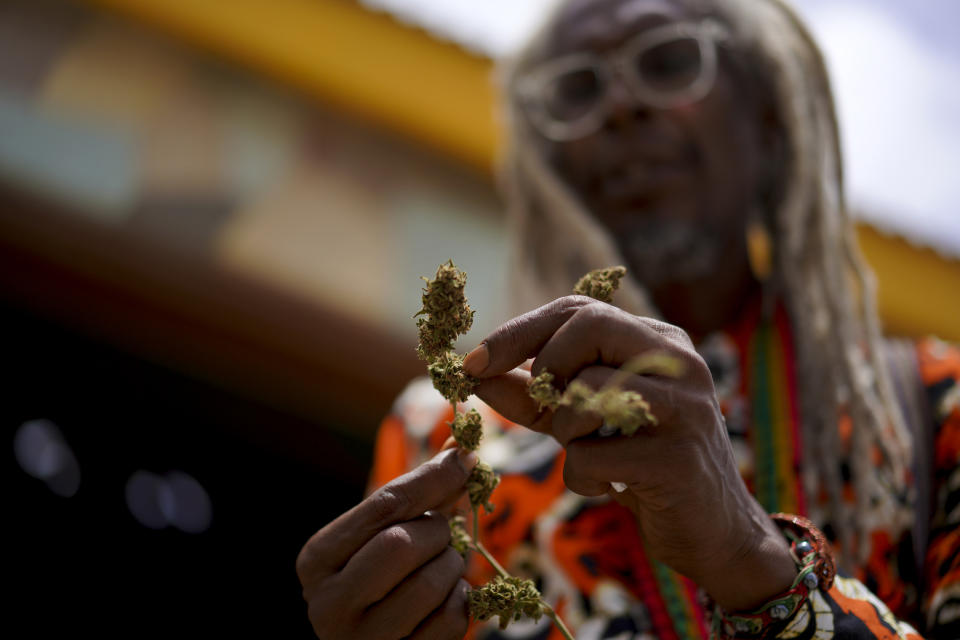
column 468, row 459
column 477, row 360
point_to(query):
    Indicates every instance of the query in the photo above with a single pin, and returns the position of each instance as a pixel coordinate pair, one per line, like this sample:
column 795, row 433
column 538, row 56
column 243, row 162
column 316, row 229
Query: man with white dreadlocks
column 695, row 142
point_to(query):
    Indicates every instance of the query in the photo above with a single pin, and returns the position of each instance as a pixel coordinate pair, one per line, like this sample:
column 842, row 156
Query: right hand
column 679, row 472
column 384, row 570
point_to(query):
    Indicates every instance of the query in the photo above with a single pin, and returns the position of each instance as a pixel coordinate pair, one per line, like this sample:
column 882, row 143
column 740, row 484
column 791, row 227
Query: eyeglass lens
column 668, row 68
column 573, row 94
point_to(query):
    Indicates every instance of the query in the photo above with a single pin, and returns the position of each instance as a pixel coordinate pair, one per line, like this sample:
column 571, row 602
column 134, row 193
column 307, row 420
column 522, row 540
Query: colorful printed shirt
column 589, row 562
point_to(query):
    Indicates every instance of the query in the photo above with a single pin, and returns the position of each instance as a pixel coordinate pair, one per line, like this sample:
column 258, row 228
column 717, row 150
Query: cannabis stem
column 446, row 315
column 502, row 573
column 547, row 609
column 476, row 528
column 477, row 546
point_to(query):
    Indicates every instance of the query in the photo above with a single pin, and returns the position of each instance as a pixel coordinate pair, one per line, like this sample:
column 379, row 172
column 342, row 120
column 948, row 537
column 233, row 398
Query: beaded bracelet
column 815, row 568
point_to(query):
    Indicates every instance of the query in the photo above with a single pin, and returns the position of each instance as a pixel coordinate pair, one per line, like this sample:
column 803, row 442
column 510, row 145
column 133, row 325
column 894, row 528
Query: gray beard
column 660, row 252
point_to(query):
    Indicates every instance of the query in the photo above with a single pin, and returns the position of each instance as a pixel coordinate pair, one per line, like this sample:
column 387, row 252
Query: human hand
column 384, row 569
column 692, row 508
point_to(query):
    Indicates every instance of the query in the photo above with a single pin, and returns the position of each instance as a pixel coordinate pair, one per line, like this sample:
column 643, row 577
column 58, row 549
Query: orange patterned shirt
column 589, row 562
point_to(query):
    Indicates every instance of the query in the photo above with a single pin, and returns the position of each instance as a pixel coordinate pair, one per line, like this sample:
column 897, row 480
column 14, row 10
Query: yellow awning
column 368, row 63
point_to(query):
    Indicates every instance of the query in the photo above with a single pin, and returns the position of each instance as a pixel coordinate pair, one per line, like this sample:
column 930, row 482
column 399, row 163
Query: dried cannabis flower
column 577, row 395
column 656, row 363
column 448, row 315
column 481, row 483
column 600, row 283
column 447, row 312
column 431, row 343
column 621, row 409
column 459, row 539
column 542, row 390
column 450, row 379
column 467, row 429
column 509, row 598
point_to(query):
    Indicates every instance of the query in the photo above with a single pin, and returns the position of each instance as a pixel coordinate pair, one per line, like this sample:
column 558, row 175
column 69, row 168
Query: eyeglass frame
column 531, row 86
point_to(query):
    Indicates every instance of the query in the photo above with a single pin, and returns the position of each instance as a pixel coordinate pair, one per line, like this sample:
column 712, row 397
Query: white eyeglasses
column 676, row 64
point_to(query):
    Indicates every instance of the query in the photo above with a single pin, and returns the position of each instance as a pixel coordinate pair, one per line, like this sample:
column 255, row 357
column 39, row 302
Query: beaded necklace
column 774, row 417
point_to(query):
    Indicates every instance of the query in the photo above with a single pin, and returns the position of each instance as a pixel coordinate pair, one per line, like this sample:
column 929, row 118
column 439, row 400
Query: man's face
column 673, row 185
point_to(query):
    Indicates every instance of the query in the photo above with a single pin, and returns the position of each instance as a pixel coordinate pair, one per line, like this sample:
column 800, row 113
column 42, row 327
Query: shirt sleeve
column 846, row 610
column 940, row 372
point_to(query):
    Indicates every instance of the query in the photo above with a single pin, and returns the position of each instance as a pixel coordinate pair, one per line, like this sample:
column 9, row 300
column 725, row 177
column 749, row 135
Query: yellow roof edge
column 397, row 75
column 363, row 61
column 918, row 288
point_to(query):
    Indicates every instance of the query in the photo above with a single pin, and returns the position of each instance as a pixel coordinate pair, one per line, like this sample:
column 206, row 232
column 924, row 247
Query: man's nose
column 623, row 107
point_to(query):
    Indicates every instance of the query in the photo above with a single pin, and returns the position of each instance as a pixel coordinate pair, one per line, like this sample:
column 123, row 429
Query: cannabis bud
column 447, row 312
column 481, row 483
column 509, row 598
column 656, row 363
column 447, row 315
column 459, row 539
column 542, row 390
column 450, row 379
column 600, row 283
column 467, row 429
column 621, row 409
column 577, row 396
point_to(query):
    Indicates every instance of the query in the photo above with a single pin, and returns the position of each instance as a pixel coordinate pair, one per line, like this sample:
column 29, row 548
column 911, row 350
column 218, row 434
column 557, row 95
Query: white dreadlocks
column 818, row 272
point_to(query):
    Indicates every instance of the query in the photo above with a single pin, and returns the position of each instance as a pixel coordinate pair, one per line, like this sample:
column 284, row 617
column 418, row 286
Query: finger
column 450, row 620
column 449, row 507
column 603, row 334
column 416, row 597
column 330, row 610
column 591, row 464
column 569, row 423
column 458, row 505
column 405, row 498
column 452, row 506
column 392, row 555
column 670, row 332
column 507, row 394
column 520, row 338
column 667, row 399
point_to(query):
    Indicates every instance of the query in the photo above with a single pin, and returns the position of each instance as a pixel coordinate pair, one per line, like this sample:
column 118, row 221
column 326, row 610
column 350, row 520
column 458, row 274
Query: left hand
column 692, row 508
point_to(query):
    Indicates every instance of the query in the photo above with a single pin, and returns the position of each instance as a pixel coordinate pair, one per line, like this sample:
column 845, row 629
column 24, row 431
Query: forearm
column 758, row 570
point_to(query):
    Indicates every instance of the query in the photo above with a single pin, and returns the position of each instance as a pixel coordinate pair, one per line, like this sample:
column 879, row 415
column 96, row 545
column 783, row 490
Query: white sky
column 895, row 66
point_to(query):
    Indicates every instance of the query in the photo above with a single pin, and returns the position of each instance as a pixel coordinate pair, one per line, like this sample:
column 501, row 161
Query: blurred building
column 213, row 220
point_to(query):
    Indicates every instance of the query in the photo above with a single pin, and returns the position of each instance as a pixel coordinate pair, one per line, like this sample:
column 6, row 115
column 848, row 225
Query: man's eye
column 671, row 65
column 572, row 94
column 578, row 86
